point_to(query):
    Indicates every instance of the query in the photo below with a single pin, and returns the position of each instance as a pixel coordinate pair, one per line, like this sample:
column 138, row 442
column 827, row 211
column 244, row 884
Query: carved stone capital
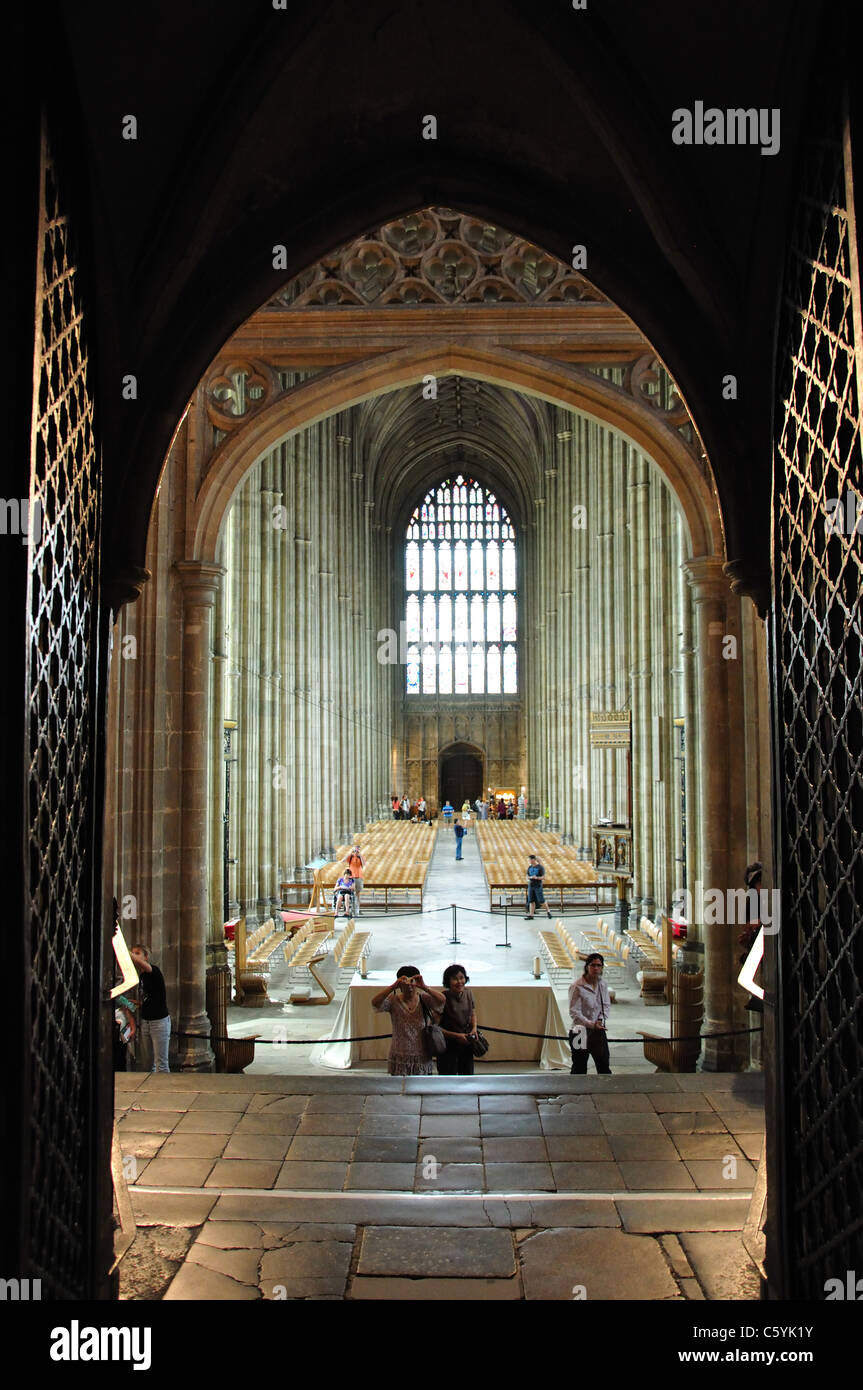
column 707, row 579
column 125, row 586
column 750, row 581
column 201, row 580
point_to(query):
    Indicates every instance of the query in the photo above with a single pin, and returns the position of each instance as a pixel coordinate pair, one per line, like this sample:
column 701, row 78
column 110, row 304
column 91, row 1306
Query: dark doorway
column 460, row 774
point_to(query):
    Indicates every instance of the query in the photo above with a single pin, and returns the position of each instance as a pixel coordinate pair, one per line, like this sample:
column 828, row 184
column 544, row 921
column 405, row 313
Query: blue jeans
column 458, row 846
column 159, row 1032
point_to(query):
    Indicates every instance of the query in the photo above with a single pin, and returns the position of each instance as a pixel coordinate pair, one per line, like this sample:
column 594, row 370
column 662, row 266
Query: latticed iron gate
column 61, row 792
column 818, row 655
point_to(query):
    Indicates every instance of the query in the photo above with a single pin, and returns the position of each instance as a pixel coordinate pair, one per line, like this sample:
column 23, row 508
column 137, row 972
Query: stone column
column 266, row 497
column 710, row 593
column 200, row 581
column 641, row 629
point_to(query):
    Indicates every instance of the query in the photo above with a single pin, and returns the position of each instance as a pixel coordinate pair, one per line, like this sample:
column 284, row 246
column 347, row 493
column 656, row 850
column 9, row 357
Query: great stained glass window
column 460, row 577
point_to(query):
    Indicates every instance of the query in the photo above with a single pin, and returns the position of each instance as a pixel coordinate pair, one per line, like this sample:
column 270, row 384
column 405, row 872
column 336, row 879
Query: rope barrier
column 482, row 1027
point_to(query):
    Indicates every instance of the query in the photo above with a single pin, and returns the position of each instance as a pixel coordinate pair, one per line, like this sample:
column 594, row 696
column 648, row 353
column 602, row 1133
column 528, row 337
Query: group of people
column 146, row 1016
column 405, row 809
column 413, row 1006
column 505, row 808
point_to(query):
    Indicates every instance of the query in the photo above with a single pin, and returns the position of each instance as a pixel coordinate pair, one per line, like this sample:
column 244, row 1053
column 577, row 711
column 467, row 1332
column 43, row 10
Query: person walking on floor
column 407, row 1002
column 356, row 865
column 155, row 1018
column 458, row 1024
column 460, row 832
column 589, row 1007
column 448, row 812
column 535, row 892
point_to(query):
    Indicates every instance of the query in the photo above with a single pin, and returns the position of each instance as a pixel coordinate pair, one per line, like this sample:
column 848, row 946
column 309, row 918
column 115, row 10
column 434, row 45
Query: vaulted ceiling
column 406, row 441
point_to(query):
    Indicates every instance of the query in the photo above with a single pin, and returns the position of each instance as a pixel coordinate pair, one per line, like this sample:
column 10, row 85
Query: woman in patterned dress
column 403, row 1001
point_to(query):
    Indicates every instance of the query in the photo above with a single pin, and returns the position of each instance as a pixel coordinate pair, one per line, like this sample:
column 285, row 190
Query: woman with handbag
column 407, row 1003
column 458, row 1024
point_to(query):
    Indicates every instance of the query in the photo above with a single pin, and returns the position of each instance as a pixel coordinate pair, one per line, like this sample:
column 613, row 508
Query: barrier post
column 454, row 941
column 506, row 941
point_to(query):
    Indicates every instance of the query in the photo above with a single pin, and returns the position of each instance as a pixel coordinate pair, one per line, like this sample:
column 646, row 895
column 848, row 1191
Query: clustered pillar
column 306, row 599
column 603, row 568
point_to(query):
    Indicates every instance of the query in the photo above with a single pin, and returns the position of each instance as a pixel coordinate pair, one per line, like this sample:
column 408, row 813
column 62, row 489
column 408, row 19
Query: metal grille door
column 61, row 678
column 819, row 659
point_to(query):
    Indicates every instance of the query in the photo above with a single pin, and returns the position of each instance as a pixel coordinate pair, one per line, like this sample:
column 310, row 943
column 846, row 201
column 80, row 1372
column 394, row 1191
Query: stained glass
column 413, row 670
column 508, row 565
column 509, row 618
column 492, row 563
column 461, row 671
column 445, row 671
column 412, row 620
column 429, row 619
column 429, row 670
column 445, row 619
column 412, row 565
column 461, row 632
column 509, row 671
column 460, row 564
column 467, row 546
column 444, row 565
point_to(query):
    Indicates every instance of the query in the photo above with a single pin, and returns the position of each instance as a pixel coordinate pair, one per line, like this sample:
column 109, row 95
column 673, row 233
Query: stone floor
column 520, row 1187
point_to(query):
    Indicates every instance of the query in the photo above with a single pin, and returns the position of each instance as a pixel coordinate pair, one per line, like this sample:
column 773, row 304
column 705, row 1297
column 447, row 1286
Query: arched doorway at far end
column 461, row 774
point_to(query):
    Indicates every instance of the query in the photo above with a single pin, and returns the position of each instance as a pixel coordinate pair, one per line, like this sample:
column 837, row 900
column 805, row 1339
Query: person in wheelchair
column 343, row 895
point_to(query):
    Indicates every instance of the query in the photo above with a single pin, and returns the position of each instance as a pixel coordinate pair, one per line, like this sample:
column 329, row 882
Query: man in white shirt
column 589, row 1007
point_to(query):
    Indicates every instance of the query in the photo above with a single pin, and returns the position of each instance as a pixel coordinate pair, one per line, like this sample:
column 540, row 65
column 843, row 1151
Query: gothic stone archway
column 461, row 774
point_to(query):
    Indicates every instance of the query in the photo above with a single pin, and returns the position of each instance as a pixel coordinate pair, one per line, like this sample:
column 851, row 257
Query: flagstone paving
column 520, row 1187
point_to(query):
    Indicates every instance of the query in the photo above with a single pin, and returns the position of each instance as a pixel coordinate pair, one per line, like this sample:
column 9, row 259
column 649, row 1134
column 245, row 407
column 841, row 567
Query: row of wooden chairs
column 504, row 849
column 351, row 947
column 396, row 854
column 615, row 948
column 561, row 958
column 265, row 942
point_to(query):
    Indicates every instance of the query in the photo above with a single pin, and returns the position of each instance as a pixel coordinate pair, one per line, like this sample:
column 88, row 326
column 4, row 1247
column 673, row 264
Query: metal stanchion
column 454, row 941
column 506, row 941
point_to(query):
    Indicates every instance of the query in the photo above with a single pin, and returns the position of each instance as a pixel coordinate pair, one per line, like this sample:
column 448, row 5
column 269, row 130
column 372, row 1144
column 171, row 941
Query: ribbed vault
column 406, row 440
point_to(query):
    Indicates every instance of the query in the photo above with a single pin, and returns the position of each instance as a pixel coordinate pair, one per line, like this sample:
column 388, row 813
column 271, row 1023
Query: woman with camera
column 407, row 1003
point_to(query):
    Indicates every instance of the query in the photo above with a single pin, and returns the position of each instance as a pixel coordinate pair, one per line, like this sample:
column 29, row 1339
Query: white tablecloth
column 528, row 1007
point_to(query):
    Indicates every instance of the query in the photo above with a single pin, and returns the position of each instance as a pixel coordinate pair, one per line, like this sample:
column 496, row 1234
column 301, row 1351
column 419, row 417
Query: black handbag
column 434, row 1034
column 479, row 1044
